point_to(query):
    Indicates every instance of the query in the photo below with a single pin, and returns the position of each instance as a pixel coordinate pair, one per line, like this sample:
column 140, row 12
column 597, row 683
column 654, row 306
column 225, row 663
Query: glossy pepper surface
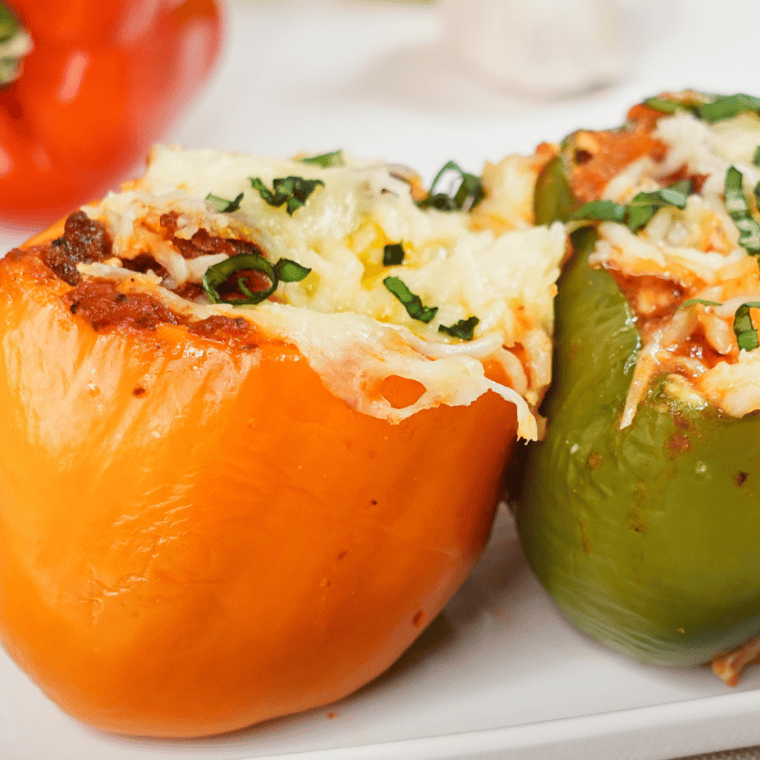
column 102, row 82
column 647, row 537
column 197, row 538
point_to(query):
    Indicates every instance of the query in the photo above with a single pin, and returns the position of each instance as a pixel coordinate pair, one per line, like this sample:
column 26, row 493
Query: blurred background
column 421, row 82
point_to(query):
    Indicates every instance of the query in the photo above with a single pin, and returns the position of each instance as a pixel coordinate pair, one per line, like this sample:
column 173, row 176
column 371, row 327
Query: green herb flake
column 325, row 160
column 640, row 210
column 702, row 301
column 663, row 105
column 469, row 193
column 601, row 211
column 220, row 273
column 727, row 106
column 670, row 105
column 292, row 192
column 710, row 108
column 411, row 302
column 738, row 209
column 290, row 271
column 745, row 331
column 223, row 205
column 644, row 206
column 393, row 255
column 756, row 156
column 464, row 329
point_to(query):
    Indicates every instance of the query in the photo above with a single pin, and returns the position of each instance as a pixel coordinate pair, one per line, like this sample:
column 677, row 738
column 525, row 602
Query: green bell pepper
column 648, row 538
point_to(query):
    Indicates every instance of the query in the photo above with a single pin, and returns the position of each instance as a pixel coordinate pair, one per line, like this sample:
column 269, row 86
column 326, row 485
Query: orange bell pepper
column 196, row 536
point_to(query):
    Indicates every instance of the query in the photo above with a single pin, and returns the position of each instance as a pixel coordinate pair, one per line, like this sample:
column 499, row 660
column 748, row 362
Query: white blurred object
column 543, row 47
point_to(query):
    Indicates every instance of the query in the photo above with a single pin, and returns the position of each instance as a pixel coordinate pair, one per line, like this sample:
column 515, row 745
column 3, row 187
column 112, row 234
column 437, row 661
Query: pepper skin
column 195, row 538
column 648, row 538
column 103, row 81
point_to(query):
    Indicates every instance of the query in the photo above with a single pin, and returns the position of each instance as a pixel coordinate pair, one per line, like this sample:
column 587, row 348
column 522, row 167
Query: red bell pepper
column 103, row 80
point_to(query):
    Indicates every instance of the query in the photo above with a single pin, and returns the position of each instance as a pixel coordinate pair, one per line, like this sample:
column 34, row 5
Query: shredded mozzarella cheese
column 491, row 264
column 698, row 248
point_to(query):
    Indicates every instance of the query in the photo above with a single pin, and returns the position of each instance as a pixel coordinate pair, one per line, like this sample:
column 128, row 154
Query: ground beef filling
column 203, row 244
column 105, row 306
column 84, row 241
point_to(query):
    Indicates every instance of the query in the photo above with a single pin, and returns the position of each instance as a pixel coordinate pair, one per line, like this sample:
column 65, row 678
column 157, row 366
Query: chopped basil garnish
column 325, row 160
column 726, row 106
column 640, row 210
column 284, row 270
column 290, row 271
column 703, row 301
column 393, row 255
column 469, row 193
column 670, row 105
column 411, row 302
column 708, row 108
column 464, row 329
column 218, row 274
column 291, row 191
column 738, row 210
column 601, row 211
column 644, row 206
column 745, row 331
column 664, row 105
column 222, row 205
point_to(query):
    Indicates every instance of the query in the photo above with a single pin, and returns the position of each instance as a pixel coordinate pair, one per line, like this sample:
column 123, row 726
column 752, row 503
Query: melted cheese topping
column 490, row 263
column 698, row 249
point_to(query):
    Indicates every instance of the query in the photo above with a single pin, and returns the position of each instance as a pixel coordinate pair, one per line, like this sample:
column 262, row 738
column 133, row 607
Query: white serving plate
column 499, row 674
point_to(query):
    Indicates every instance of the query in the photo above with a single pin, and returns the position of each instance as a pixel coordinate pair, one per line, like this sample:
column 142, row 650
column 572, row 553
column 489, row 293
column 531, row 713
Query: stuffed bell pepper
column 640, row 511
column 256, row 415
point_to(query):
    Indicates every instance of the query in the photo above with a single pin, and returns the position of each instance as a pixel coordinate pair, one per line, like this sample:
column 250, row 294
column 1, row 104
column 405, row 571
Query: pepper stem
column 15, row 43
